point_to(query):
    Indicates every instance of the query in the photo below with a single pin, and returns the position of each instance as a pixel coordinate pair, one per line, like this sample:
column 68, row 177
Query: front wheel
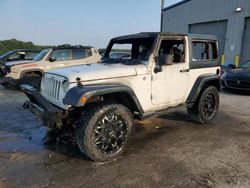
column 206, row 107
column 104, row 131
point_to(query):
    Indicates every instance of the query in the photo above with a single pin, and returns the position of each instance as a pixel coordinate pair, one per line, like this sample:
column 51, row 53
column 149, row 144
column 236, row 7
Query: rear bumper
column 44, row 111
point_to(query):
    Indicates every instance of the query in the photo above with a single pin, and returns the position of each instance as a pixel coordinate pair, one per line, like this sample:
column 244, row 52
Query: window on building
column 176, row 48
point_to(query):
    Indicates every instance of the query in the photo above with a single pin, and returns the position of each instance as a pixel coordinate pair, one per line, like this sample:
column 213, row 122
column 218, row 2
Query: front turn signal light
column 84, row 100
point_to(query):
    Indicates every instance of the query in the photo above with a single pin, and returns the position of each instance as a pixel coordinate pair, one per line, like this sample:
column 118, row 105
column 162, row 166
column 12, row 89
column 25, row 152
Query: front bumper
column 44, row 111
column 6, row 80
column 237, row 85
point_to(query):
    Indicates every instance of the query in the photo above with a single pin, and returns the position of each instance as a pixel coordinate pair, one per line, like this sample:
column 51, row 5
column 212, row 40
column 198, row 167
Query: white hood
column 96, row 71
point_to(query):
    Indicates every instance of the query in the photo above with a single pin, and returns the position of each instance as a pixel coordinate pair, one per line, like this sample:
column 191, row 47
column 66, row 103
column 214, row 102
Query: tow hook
column 26, row 105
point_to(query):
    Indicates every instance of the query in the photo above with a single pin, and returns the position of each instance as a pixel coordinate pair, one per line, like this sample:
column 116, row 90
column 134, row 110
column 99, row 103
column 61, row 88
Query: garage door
column 245, row 51
column 218, row 28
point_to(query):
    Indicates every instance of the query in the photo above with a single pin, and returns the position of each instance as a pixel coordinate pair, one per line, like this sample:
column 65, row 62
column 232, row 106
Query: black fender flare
column 210, row 79
column 74, row 95
column 31, row 70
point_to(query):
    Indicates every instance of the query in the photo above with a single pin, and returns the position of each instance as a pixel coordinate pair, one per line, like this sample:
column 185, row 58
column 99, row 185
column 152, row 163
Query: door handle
column 185, row 70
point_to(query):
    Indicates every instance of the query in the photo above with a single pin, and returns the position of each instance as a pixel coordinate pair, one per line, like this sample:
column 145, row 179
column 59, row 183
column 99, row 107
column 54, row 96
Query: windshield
column 129, row 51
column 40, row 56
column 246, row 65
column 6, row 54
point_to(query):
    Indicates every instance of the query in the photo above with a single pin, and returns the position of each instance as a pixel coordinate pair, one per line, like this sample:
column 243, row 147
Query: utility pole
column 162, row 7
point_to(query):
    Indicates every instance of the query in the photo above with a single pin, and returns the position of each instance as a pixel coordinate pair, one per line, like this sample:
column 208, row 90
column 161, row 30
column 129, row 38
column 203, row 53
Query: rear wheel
column 104, row 131
column 206, row 107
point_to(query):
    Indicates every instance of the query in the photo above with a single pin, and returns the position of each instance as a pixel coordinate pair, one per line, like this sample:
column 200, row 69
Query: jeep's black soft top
column 155, row 34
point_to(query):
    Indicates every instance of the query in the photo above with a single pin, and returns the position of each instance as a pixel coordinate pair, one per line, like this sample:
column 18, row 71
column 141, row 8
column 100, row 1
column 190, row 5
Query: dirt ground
column 165, row 152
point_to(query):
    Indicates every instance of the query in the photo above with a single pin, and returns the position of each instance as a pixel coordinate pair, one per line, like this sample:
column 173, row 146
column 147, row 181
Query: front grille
column 51, row 88
column 238, row 84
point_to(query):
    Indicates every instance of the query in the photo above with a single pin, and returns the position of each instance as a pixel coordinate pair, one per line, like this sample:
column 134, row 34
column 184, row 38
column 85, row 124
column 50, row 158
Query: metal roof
column 175, row 5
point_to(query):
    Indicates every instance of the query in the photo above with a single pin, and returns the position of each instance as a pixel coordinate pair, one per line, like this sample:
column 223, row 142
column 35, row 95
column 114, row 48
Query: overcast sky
column 85, row 22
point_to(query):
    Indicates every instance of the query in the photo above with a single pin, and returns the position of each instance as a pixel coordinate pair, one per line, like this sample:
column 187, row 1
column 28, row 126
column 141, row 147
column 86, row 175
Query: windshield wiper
column 122, row 61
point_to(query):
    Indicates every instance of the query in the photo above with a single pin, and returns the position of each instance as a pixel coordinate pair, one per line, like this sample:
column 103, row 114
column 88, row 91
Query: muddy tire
column 104, row 131
column 206, row 107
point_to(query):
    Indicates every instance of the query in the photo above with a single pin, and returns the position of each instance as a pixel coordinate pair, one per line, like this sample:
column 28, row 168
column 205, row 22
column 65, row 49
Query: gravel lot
column 165, row 152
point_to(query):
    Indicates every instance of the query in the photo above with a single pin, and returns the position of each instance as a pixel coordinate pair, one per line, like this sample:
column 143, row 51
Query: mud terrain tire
column 206, row 107
column 104, row 131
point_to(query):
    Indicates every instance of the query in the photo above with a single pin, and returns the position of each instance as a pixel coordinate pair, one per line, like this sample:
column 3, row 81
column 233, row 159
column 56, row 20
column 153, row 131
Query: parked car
column 99, row 103
column 15, row 56
column 237, row 79
column 30, row 72
column 224, row 68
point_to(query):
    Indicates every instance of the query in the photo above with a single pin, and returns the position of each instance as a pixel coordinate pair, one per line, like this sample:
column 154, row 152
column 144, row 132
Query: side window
column 213, row 51
column 60, row 55
column 16, row 56
column 204, row 51
column 88, row 52
column 122, row 51
column 80, row 53
column 175, row 48
column 30, row 55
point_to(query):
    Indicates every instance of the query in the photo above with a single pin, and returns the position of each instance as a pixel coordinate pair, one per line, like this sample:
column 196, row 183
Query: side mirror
column 163, row 60
column 52, row 59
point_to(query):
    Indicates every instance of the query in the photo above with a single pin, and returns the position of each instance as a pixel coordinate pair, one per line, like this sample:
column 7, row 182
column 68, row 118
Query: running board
column 161, row 112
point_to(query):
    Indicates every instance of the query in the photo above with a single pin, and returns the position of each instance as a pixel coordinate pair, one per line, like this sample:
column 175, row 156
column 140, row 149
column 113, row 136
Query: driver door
column 169, row 86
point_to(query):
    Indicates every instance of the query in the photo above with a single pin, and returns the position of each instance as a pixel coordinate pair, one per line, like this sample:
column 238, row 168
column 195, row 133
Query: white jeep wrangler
column 100, row 102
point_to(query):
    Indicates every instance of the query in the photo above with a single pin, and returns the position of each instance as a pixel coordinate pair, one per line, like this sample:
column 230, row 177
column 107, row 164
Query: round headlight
column 65, row 85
